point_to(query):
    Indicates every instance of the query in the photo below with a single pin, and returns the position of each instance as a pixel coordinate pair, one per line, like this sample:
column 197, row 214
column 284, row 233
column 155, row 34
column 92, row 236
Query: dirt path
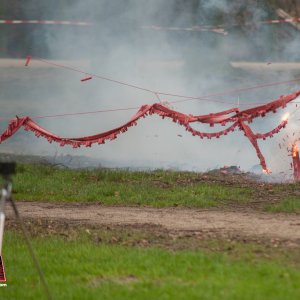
column 260, row 225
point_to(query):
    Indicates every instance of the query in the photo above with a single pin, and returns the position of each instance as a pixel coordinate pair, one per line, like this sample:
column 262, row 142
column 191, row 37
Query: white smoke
column 117, row 46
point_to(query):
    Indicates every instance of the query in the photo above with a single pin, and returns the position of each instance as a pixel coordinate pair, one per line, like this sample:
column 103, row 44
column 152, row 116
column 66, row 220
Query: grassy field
column 288, row 205
column 90, row 262
column 82, row 267
column 155, row 188
column 121, row 187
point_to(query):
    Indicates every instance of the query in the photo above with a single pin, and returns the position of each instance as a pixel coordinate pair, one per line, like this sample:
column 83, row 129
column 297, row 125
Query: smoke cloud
column 118, row 46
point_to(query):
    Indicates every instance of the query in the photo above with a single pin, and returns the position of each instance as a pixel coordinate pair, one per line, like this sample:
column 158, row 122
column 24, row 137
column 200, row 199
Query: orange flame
column 295, row 150
column 267, row 171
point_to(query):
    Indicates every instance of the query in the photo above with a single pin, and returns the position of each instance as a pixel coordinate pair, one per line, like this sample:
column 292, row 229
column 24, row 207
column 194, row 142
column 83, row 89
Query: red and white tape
column 216, row 29
column 45, row 22
column 292, row 20
column 219, row 30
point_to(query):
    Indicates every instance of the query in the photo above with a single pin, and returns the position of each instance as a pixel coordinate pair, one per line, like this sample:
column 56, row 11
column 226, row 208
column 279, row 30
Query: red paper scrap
column 86, row 78
column 27, row 60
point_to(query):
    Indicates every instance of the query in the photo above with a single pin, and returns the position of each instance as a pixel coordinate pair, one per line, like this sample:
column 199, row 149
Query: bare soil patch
column 248, row 225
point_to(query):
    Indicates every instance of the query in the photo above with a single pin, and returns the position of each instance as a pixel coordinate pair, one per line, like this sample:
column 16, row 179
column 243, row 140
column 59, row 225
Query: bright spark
column 285, row 116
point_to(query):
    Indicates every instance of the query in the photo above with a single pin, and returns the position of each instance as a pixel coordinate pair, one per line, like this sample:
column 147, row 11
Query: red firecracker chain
column 234, row 115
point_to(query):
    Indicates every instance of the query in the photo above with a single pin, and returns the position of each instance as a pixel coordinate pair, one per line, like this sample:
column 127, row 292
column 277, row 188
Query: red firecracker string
column 234, row 115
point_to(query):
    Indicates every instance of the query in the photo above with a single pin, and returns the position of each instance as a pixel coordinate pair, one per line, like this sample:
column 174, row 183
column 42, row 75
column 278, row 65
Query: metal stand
column 7, row 170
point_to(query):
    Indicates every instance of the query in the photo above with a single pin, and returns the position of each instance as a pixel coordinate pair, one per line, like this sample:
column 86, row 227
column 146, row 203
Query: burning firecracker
column 296, row 161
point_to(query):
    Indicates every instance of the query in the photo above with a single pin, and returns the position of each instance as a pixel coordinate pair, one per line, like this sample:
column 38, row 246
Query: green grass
column 287, row 205
column 121, row 187
column 82, row 269
column 158, row 188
